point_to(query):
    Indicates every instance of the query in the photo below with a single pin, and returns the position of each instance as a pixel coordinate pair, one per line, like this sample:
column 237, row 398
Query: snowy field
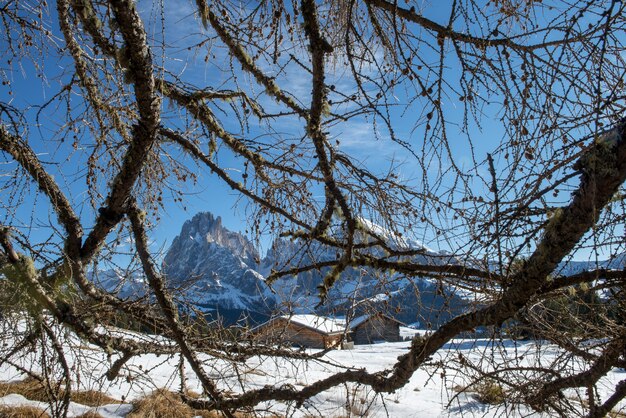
column 432, row 392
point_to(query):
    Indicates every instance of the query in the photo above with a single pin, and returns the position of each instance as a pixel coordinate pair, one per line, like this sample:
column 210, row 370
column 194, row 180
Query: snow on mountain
column 393, row 240
column 359, row 290
column 125, row 284
column 573, row 267
column 216, row 267
column 220, row 270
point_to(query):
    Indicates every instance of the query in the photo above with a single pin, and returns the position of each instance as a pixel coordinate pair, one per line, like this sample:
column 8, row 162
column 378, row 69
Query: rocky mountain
column 216, row 269
column 360, row 290
column 220, row 271
column 125, row 284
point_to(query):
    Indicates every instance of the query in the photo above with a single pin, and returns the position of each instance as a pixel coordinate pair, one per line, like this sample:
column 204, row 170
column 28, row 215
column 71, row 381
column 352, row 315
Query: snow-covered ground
column 431, row 392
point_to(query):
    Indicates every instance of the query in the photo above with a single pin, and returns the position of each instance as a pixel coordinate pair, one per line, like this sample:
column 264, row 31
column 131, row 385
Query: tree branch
column 144, row 132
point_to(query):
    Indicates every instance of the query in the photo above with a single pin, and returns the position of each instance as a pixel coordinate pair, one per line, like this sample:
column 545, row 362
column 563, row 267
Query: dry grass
column 585, row 404
column 490, row 392
column 22, row 412
column 487, row 392
column 29, row 388
column 36, row 391
column 165, row 404
column 160, row 404
column 92, row 398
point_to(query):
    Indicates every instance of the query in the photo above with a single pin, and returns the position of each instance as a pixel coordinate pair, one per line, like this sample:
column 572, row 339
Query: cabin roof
column 355, row 322
column 318, row 323
column 325, row 325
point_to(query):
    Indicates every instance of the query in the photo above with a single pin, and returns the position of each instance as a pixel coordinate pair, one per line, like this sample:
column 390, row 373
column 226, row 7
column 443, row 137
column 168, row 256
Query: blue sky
column 356, row 137
column 30, row 90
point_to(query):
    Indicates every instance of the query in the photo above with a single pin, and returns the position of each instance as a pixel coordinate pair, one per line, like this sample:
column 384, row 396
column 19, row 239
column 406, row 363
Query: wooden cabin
column 309, row 331
column 314, row 331
column 369, row 329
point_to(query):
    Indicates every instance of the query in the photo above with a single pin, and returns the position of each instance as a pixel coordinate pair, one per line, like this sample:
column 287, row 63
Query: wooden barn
column 368, row 329
column 309, row 331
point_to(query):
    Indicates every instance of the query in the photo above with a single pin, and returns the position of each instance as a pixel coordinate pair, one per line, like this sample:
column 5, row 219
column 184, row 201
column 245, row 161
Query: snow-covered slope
column 431, row 392
column 572, row 267
column 125, row 284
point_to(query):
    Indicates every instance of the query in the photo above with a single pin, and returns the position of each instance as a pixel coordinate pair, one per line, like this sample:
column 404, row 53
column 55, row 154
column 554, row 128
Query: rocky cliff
column 216, row 268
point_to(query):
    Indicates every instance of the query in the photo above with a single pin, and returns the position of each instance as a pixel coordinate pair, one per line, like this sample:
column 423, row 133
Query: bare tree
column 509, row 114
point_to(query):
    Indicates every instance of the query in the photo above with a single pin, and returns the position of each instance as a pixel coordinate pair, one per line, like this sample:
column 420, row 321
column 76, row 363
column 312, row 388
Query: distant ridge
column 221, row 270
column 220, row 273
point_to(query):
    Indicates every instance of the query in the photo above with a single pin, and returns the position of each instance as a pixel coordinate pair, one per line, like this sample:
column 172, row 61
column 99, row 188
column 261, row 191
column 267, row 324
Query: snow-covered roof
column 355, row 322
column 359, row 320
column 318, row 323
column 326, row 325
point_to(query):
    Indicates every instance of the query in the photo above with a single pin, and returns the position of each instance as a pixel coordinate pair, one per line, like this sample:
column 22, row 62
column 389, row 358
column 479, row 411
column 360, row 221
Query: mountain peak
column 202, row 222
column 204, row 229
column 218, row 266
